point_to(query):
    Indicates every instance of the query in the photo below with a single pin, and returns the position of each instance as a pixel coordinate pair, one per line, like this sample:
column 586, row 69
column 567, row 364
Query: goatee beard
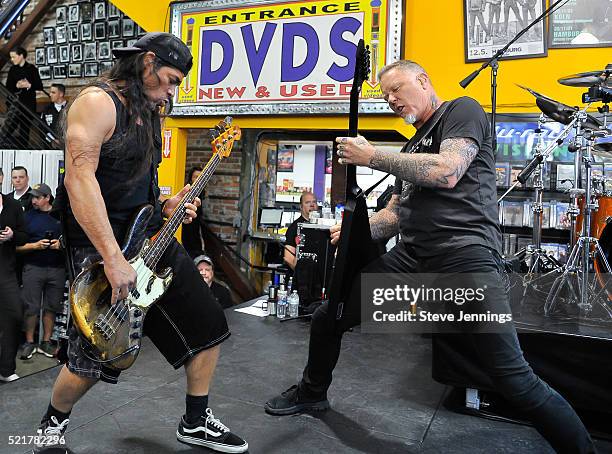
column 410, row 119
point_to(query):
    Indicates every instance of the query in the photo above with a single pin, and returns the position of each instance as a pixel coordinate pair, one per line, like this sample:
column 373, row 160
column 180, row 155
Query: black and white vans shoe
column 50, row 433
column 208, row 431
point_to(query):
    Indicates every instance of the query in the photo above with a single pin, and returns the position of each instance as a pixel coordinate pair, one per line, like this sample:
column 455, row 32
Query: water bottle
column 294, row 304
column 271, row 299
column 281, row 305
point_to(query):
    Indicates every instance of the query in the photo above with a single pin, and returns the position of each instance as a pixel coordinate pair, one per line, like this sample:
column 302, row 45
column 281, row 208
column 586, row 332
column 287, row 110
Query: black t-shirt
column 433, row 220
column 292, row 231
column 222, row 294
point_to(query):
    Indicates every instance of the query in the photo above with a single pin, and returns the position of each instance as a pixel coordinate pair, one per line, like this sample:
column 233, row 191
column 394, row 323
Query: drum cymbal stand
column 534, row 256
column 584, row 289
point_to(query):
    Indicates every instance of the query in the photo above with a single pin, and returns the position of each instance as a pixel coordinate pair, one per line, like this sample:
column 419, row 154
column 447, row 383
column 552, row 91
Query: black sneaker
column 51, row 432
column 47, row 349
column 208, row 431
column 290, row 402
column 28, row 350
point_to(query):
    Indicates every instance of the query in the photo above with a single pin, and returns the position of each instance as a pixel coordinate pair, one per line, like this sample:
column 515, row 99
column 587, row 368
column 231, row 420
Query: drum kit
column 585, row 280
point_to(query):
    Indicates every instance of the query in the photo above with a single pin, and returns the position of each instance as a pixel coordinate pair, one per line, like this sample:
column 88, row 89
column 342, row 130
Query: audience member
column 51, row 114
column 21, row 187
column 206, row 268
column 12, row 234
column 192, row 236
column 308, row 203
column 43, row 271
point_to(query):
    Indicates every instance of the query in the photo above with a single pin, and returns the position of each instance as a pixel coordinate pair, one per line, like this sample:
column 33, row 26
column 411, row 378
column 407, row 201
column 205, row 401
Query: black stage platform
column 383, row 401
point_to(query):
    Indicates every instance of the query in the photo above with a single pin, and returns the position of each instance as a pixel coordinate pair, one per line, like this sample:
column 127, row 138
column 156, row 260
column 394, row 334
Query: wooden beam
column 25, row 29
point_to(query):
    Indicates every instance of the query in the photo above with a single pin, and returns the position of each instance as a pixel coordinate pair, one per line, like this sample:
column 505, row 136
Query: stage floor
column 383, row 401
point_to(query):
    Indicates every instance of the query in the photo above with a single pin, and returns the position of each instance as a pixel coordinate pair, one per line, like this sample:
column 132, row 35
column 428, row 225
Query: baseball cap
column 203, row 258
column 167, row 47
column 40, row 190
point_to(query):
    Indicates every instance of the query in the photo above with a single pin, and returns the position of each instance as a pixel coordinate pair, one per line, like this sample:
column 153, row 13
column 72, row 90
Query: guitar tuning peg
column 213, row 133
column 228, row 121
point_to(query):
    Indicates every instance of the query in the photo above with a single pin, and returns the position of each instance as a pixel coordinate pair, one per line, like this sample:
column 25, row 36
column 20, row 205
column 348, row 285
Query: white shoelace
column 58, row 428
column 210, row 418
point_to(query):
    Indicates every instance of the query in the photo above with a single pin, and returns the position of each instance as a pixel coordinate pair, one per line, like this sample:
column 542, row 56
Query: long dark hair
column 126, row 78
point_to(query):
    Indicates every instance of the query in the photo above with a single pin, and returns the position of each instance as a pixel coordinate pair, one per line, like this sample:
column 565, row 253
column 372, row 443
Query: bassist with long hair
column 113, row 149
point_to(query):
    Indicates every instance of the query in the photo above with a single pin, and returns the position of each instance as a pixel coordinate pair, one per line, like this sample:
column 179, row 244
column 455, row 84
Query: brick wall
column 223, row 190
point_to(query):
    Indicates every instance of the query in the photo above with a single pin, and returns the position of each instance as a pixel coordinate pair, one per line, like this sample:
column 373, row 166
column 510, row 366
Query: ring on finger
column 340, row 152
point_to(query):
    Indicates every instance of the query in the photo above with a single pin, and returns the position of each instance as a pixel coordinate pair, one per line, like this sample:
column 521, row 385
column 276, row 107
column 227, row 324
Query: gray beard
column 410, row 119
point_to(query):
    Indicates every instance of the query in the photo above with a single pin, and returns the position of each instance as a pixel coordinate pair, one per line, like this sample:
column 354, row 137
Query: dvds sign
column 279, row 54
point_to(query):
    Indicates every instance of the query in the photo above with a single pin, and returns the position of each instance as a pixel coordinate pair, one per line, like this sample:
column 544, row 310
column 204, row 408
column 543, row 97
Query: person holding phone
column 43, row 271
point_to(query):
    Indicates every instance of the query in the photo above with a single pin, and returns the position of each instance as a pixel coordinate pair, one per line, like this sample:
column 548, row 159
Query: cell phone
column 49, row 235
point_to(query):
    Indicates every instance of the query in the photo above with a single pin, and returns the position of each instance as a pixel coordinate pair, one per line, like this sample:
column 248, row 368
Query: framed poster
column 40, row 56
column 74, row 70
column 99, row 13
column 100, row 30
column 86, row 12
column 60, row 34
column 90, row 51
column 581, row 23
column 59, row 72
column 60, row 15
column 49, row 35
column 77, row 52
column 86, row 34
column 73, row 33
column 283, row 56
column 91, row 70
column 104, row 50
column 113, row 11
column 114, row 29
column 51, row 54
column 284, row 161
column 127, row 28
column 73, row 13
column 44, row 72
column 490, row 24
column 105, row 66
column 64, row 54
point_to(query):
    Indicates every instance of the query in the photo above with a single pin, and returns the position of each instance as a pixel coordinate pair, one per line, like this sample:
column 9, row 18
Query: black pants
column 499, row 353
column 10, row 324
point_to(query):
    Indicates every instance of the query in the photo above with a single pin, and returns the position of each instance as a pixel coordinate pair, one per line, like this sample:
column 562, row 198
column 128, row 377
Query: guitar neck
column 351, row 169
column 162, row 239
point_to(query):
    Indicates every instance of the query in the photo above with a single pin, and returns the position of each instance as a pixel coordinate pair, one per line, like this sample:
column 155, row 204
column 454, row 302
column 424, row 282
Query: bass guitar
column 112, row 333
column 355, row 248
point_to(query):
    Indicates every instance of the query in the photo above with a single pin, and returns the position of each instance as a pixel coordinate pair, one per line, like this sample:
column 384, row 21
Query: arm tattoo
column 385, row 223
column 460, row 152
column 429, row 170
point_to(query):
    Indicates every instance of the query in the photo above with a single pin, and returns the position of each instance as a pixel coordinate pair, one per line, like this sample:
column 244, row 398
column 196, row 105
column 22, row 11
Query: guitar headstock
column 362, row 66
column 223, row 137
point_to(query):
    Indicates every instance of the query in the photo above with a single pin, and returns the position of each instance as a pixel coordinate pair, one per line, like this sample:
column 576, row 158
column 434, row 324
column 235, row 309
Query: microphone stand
column 493, row 62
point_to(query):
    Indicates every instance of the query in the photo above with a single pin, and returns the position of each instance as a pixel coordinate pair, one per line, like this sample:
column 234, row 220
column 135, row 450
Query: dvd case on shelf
column 564, row 177
column 513, row 214
column 502, row 174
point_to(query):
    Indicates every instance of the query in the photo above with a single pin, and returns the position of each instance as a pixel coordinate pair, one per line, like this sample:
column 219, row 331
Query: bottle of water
column 294, row 304
column 281, row 305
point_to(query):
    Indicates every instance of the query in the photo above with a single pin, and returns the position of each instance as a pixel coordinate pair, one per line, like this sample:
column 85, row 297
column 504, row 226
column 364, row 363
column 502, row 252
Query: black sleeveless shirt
column 122, row 196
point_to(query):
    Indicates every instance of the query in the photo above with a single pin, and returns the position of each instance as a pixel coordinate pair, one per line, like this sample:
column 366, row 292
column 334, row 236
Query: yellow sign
column 297, row 52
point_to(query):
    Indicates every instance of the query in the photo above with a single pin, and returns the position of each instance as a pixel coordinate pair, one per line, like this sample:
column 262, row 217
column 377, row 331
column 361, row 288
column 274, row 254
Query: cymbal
column 603, row 150
column 588, row 79
column 560, row 112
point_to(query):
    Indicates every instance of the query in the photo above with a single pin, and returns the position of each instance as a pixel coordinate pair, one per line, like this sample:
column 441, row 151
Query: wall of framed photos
column 72, row 45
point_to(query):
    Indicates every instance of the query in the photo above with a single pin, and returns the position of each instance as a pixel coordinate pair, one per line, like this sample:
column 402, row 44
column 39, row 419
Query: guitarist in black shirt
column 444, row 206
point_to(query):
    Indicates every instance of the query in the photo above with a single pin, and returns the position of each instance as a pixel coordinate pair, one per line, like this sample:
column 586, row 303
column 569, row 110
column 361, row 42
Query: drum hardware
column 584, row 281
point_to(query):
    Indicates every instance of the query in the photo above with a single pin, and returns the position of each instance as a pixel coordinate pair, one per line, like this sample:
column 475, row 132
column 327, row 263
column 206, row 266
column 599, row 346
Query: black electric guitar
column 112, row 333
column 355, row 248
